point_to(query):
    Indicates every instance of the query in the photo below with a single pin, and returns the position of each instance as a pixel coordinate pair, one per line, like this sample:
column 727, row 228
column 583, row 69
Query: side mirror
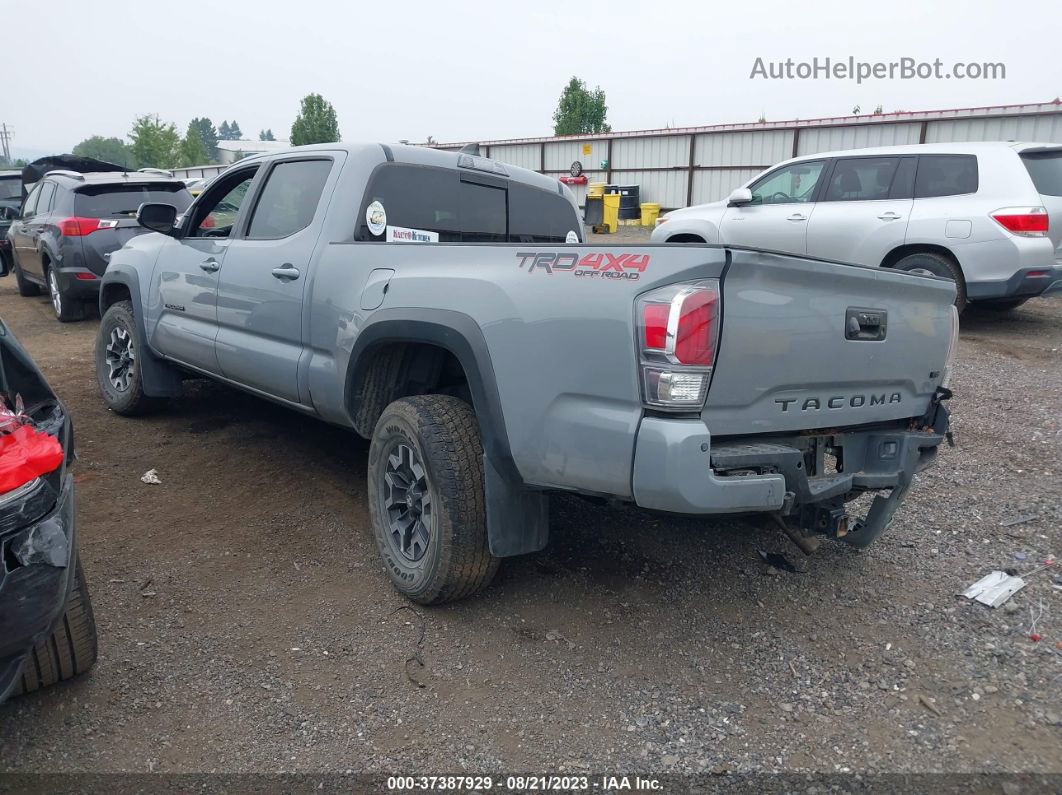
column 738, row 197
column 157, row 217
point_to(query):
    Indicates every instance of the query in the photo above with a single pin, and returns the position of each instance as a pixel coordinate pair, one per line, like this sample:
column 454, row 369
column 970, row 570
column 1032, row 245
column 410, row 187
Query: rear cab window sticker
column 400, row 234
column 376, row 218
column 571, row 237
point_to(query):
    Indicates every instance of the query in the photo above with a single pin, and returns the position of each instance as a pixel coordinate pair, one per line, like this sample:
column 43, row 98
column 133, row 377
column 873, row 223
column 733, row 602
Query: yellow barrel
column 650, row 210
column 595, row 190
column 612, row 204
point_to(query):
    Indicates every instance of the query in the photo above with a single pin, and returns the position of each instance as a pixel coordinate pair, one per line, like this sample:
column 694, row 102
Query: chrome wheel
column 120, row 357
column 407, row 500
column 53, row 288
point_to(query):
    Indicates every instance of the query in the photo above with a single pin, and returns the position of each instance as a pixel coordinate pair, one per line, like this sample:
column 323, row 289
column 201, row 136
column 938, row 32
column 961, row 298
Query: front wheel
column 426, row 499
column 929, row 264
column 117, row 364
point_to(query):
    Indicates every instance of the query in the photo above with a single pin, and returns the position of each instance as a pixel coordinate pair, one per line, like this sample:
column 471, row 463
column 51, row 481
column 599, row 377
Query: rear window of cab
column 464, row 207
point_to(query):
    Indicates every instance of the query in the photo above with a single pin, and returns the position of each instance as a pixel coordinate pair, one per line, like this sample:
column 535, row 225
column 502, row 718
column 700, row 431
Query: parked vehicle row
column 10, row 206
column 987, row 216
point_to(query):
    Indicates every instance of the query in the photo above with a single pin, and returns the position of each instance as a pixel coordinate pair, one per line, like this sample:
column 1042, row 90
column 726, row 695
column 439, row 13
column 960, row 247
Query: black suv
column 70, row 224
column 10, row 202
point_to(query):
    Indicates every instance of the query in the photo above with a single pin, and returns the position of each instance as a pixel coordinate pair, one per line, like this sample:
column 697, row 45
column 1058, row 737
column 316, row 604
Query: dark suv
column 70, row 224
column 10, row 202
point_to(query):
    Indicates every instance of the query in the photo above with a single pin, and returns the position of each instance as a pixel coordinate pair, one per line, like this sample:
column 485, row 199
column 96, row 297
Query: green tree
column 193, row 153
column 155, row 144
column 111, row 150
column 230, row 132
column 208, row 135
column 316, row 122
column 266, row 135
column 223, row 131
column 580, row 110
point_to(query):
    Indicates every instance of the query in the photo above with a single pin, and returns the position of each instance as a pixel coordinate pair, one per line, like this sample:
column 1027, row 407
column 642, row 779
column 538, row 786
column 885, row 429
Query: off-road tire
column 938, row 265
column 26, row 288
column 131, row 401
column 442, row 431
column 70, row 649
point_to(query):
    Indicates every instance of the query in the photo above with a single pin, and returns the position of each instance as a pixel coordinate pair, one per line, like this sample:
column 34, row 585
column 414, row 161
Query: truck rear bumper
column 678, row 469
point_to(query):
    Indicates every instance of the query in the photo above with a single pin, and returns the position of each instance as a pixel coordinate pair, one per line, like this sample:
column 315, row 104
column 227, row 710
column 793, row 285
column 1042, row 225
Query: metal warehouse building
column 691, row 165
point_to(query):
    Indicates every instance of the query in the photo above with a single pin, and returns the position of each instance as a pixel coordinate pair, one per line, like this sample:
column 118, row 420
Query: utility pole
column 5, row 136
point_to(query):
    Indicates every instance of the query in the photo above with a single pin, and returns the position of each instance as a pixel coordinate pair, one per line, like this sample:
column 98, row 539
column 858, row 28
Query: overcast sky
column 476, row 71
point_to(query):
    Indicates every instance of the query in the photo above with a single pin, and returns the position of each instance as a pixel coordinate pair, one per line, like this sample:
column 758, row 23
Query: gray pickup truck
column 445, row 307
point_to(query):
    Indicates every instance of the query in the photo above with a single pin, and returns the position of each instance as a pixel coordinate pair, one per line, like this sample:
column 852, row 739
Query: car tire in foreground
column 426, row 499
column 70, row 649
column 26, row 288
column 936, row 265
column 65, row 306
column 117, row 368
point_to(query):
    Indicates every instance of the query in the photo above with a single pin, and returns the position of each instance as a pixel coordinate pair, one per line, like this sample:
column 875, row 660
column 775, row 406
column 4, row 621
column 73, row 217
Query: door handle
column 210, row 266
column 286, row 271
column 796, row 217
column 889, row 216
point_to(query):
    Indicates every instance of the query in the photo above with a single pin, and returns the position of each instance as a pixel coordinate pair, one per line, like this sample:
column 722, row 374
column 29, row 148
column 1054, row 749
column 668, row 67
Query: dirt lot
column 246, row 625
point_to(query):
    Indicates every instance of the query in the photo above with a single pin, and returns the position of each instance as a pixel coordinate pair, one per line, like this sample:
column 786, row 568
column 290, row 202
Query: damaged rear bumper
column 36, row 572
column 807, row 477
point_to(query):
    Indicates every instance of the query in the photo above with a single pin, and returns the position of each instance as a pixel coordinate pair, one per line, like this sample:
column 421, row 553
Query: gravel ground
column 246, row 625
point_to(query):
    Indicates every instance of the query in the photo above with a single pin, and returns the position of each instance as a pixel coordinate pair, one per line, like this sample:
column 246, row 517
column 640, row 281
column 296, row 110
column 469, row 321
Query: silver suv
column 988, row 215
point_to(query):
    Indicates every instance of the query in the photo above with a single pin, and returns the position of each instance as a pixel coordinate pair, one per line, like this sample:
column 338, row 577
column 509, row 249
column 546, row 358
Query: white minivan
column 988, row 215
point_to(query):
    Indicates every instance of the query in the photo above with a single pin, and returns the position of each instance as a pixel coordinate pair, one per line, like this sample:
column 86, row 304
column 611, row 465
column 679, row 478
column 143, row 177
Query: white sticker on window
column 400, row 234
column 376, row 218
column 572, row 237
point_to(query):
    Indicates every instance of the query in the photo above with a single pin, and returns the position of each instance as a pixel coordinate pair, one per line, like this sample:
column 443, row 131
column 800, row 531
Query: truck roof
column 423, row 156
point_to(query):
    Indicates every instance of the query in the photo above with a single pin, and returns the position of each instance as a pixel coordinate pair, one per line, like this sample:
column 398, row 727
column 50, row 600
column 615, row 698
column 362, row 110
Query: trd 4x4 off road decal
column 599, row 265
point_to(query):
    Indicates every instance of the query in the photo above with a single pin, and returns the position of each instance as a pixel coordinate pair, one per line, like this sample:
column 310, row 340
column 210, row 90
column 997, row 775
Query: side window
column 861, row 179
column 945, row 175
column 216, row 213
column 788, row 185
column 435, row 200
column 44, row 203
column 540, row 216
column 289, row 199
column 30, row 207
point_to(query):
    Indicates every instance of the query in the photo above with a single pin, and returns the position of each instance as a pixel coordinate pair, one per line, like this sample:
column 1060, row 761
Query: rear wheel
column 26, row 288
column 66, row 307
column 70, row 649
column 426, row 499
column 930, row 264
column 117, row 366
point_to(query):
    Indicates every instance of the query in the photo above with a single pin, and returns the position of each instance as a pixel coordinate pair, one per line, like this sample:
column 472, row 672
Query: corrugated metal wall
column 724, row 158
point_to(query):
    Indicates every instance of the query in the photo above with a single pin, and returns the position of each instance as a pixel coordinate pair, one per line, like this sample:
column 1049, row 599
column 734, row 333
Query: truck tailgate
column 785, row 363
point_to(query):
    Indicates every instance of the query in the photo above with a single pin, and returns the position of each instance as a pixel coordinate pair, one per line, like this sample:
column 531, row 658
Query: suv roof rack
column 63, row 172
column 161, row 171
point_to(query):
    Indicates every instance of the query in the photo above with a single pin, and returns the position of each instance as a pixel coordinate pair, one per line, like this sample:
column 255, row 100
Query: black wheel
column 426, row 499
column 70, row 649
column 66, row 307
column 117, row 367
column 26, row 288
column 936, row 265
column 1003, row 305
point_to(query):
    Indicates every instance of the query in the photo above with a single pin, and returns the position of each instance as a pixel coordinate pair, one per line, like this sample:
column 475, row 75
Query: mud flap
column 517, row 519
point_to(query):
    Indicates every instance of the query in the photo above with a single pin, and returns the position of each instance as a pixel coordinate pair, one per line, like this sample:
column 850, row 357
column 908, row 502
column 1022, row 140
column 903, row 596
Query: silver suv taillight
column 678, row 333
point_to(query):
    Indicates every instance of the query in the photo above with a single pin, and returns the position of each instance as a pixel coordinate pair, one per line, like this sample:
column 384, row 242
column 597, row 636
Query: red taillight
column 654, row 318
column 695, row 339
column 679, row 331
column 79, row 227
column 85, row 277
column 1024, row 221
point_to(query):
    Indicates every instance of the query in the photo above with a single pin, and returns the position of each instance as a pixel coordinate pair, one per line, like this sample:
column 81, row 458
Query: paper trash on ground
column 994, row 589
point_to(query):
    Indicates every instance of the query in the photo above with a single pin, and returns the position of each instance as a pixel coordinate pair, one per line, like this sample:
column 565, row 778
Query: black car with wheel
column 10, row 203
column 47, row 631
column 71, row 222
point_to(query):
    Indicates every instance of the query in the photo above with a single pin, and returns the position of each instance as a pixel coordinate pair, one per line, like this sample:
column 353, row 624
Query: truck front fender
column 517, row 517
column 121, row 282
